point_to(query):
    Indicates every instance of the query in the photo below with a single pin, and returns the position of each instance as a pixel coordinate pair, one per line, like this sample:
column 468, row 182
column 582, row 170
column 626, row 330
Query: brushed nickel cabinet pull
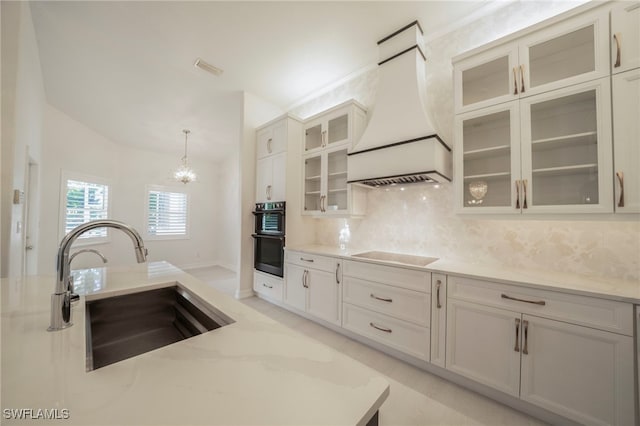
column 535, row 302
column 324, row 138
column 267, row 286
column 322, row 203
column 616, row 37
column 269, row 145
column 383, row 299
column 522, row 78
column 515, row 81
column 620, row 177
column 306, row 260
column 525, row 331
column 518, row 194
column 524, row 194
column 304, row 275
column 337, row 270
column 386, row 330
column 517, row 346
column 438, row 285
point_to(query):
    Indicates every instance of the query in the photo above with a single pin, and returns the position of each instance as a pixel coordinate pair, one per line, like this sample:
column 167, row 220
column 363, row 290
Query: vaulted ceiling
column 125, row 69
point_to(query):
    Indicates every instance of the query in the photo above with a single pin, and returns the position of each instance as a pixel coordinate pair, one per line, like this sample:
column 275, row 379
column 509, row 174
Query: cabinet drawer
column 604, row 314
column 312, row 261
column 401, row 335
column 398, row 277
column 268, row 286
column 404, row 304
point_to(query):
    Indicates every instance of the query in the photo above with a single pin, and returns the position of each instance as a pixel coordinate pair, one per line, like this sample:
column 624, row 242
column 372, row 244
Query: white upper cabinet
column 271, row 139
column 566, row 150
column 271, row 178
column 327, row 140
column 570, row 52
column 625, row 36
column 626, row 133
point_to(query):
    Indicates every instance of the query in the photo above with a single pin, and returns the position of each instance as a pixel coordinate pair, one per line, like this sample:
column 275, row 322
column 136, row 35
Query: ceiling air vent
column 205, row 66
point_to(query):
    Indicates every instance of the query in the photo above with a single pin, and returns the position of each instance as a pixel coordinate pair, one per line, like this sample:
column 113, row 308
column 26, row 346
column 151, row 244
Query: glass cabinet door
column 312, row 183
column 565, row 54
column 313, row 137
column 487, row 79
column 566, row 149
column 338, row 129
column 489, row 159
column 336, row 181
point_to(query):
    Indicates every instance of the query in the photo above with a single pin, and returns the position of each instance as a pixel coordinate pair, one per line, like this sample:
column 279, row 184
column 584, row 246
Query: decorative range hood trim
column 415, row 46
column 433, row 136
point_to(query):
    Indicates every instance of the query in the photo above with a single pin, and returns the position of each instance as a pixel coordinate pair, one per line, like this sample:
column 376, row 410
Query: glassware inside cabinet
column 487, row 160
column 564, row 150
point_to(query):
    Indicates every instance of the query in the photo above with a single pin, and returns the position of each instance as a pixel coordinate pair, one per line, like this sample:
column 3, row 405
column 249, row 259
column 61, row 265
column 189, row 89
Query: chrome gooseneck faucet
column 61, row 298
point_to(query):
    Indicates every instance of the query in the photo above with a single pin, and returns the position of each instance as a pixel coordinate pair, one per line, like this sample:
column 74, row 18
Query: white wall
column 420, row 219
column 71, row 146
column 23, row 98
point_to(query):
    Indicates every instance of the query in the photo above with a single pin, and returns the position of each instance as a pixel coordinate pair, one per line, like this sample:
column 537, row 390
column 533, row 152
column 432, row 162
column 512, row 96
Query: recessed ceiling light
column 205, row 66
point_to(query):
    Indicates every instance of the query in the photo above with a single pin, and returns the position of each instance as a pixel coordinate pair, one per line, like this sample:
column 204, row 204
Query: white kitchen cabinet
column 271, row 139
column 325, row 189
column 313, row 285
column 544, row 58
column 625, row 36
column 577, row 372
column 566, row 150
column 483, row 344
column 553, row 350
column 549, row 153
column 271, row 178
column 390, row 305
column 340, row 125
column 626, row 141
column 268, row 286
column 438, row 319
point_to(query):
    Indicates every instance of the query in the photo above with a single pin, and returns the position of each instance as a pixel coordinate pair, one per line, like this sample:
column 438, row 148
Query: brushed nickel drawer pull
column 384, row 299
column 386, row 330
column 438, row 285
column 535, row 302
column 517, row 346
column 525, row 326
column 267, row 286
column 306, row 260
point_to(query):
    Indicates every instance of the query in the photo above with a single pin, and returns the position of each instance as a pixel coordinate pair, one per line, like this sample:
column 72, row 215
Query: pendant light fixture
column 185, row 174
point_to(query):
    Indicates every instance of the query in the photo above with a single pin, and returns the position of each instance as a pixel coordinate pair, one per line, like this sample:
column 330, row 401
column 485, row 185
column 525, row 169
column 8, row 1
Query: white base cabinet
column 268, row 286
column 312, row 285
column 581, row 373
column 438, row 319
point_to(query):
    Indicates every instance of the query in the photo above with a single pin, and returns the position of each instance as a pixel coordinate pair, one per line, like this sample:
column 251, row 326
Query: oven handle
column 273, row 237
column 279, row 211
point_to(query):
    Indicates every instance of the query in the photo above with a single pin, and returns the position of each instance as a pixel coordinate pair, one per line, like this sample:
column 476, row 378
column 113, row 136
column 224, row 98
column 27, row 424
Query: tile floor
column 416, row 397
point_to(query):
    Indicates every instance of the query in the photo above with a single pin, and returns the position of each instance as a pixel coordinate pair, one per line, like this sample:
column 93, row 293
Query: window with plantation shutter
column 85, row 199
column 166, row 213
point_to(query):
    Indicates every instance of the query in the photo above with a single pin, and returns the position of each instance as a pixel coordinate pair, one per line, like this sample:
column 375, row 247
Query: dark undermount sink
column 406, row 259
column 124, row 326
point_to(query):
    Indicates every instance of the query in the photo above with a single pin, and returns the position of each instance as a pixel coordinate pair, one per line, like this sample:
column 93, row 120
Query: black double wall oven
column 268, row 239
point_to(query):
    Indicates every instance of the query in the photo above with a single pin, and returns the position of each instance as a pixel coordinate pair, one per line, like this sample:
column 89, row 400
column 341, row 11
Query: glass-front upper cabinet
column 567, row 53
column 487, row 159
column 325, row 183
column 570, row 52
column 566, row 150
column 327, row 131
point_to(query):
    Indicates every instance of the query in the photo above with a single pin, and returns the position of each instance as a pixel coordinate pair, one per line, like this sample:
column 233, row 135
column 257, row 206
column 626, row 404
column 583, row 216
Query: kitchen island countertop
column 253, row 371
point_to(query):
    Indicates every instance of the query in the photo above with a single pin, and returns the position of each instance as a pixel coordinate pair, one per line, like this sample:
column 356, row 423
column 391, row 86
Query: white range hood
column 399, row 144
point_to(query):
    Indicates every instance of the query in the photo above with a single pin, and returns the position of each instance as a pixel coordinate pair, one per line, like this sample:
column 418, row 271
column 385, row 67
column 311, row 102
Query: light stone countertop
column 585, row 285
column 252, row 372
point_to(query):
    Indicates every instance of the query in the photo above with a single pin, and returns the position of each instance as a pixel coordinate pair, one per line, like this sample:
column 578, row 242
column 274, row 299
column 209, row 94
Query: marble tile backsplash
column 420, row 220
